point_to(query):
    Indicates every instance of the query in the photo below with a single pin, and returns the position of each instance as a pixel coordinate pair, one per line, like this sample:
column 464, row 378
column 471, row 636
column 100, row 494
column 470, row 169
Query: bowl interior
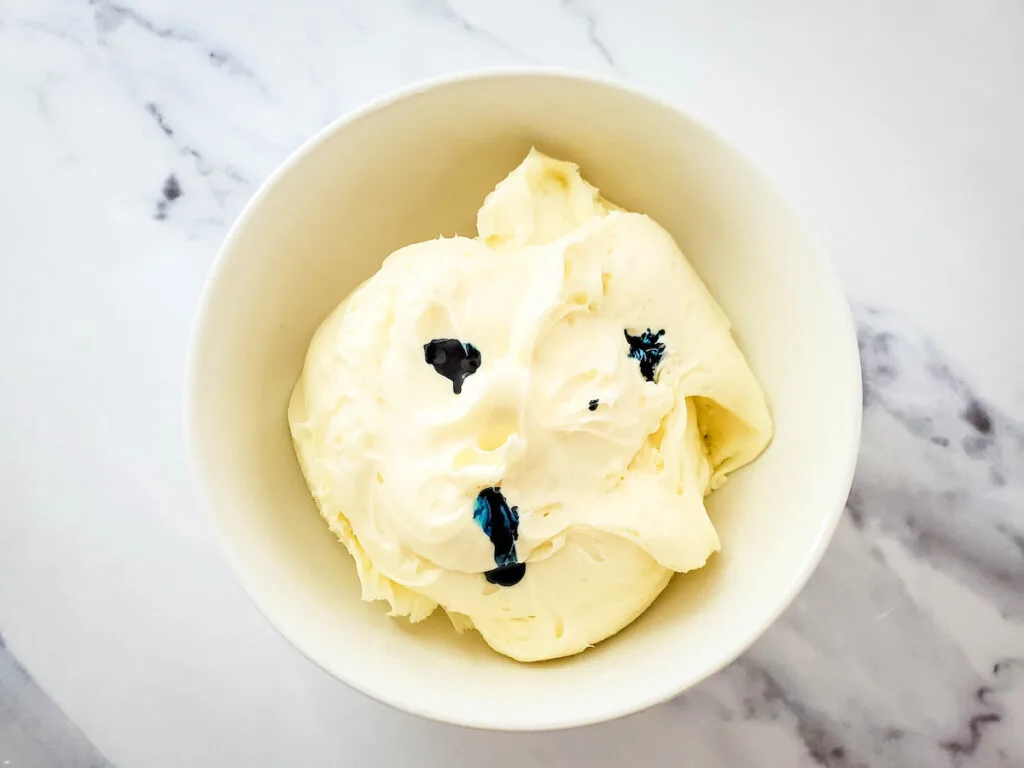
column 417, row 166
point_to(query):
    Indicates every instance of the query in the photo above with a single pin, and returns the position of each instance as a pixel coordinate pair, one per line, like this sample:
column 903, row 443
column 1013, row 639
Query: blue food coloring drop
column 646, row 350
column 500, row 523
column 593, row 405
column 453, row 359
column 508, row 576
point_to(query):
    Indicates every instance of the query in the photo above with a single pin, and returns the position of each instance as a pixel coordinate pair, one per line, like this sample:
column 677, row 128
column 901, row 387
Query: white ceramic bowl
column 415, row 165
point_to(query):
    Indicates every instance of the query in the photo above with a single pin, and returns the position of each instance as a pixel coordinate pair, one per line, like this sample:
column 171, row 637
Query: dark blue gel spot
column 508, row 576
column 501, row 524
column 593, row 405
column 646, row 350
column 453, row 359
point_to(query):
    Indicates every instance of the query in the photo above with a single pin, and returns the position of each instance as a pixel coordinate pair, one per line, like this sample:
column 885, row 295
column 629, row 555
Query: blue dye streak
column 646, row 350
column 500, row 523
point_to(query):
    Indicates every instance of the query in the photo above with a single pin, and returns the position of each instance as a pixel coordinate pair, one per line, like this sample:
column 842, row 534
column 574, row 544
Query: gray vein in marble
column 110, row 16
column 970, row 745
column 822, row 741
column 576, row 8
column 443, row 10
column 203, row 167
column 759, row 694
column 170, row 192
column 157, row 115
column 980, row 722
column 970, row 520
column 34, row 732
column 767, row 691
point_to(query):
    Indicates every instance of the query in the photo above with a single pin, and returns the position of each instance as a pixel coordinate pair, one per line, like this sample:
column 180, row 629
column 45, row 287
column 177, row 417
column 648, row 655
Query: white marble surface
column 896, row 124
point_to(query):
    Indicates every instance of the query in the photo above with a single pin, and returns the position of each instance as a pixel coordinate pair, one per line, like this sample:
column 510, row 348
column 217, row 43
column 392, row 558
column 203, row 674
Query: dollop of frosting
column 498, row 489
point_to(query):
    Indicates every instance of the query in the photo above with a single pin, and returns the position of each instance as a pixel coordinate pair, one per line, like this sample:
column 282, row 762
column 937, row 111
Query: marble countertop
column 134, row 130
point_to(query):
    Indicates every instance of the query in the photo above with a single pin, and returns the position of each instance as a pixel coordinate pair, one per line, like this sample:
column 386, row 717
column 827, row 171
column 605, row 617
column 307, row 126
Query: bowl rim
column 658, row 693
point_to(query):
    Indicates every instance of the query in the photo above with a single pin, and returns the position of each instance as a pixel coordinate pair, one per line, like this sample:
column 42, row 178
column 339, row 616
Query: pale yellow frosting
column 611, row 500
